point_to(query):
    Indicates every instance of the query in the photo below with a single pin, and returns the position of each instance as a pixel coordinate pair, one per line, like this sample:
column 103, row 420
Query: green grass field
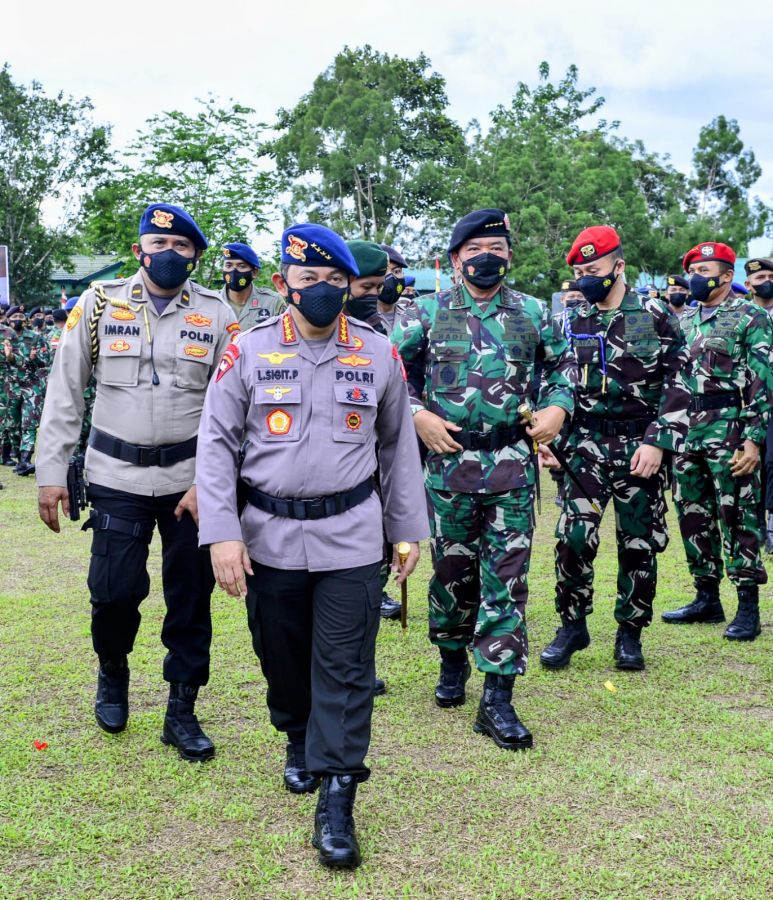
column 662, row 789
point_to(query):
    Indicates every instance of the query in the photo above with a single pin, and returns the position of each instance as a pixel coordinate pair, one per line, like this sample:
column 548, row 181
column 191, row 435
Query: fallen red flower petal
column 40, row 745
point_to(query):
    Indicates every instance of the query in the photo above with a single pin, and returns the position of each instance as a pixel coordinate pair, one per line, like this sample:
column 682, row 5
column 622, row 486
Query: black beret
column 35, row 310
column 15, row 309
column 60, row 315
column 481, row 223
column 677, row 280
column 394, row 256
column 569, row 286
column 758, row 264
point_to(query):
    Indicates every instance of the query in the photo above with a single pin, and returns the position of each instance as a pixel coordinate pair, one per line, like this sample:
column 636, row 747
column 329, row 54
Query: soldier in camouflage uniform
column 717, row 477
column 8, row 441
column 470, row 354
column 250, row 304
column 631, row 407
column 26, row 354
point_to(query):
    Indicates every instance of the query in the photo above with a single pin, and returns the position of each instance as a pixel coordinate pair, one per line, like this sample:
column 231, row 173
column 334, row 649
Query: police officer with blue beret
column 152, row 342
column 314, row 391
column 250, row 304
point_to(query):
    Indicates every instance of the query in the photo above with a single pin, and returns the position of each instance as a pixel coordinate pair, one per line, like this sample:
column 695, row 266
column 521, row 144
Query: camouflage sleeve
column 669, row 430
column 410, row 338
column 758, row 392
column 558, row 365
column 43, row 356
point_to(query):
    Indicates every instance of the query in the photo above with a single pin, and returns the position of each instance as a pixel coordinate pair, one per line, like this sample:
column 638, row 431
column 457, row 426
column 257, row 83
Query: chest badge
column 276, row 358
column 279, row 421
column 277, row 392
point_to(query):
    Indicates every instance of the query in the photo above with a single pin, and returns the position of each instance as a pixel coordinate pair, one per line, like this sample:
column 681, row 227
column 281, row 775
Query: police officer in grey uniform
column 152, row 342
column 314, row 391
column 250, row 304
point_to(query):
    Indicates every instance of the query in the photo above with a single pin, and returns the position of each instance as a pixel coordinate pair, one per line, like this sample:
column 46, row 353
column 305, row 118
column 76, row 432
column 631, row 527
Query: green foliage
column 366, row 149
column 50, row 151
column 210, row 163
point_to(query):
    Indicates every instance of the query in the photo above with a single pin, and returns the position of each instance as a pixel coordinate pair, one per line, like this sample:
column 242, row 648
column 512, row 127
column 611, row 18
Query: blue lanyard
column 599, row 336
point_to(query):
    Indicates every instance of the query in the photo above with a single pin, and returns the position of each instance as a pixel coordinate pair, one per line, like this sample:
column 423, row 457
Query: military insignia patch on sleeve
column 228, row 361
column 75, row 316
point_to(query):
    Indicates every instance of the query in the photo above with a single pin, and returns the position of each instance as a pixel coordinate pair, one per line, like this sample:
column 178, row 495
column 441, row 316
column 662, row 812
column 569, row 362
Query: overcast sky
column 665, row 68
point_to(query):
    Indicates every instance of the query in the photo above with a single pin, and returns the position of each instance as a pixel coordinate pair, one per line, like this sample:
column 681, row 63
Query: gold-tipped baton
column 403, row 549
column 525, row 411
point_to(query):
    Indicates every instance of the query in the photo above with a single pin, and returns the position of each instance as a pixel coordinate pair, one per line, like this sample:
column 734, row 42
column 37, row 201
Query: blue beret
column 316, row 245
column 394, row 256
column 481, row 223
column 738, row 288
column 71, row 301
column 243, row 252
column 410, row 281
column 163, row 218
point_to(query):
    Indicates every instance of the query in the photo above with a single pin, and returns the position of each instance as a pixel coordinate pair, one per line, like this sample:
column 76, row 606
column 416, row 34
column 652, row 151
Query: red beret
column 709, row 252
column 593, row 243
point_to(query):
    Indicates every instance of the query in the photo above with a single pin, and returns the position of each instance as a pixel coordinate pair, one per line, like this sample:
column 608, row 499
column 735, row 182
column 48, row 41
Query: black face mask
column 701, row 286
column 37, row 321
column 168, row 268
column 362, row 308
column 17, row 325
column 320, row 303
column 485, row 270
column 596, row 288
column 392, row 290
column 237, row 281
column 573, row 303
column 677, row 299
column 764, row 291
column 49, row 323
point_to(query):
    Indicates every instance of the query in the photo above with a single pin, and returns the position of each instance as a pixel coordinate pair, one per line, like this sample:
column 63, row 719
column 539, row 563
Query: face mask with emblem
column 237, row 281
column 392, row 290
column 485, row 270
column 596, row 288
column 362, row 308
column 168, row 268
column 701, row 286
column 764, row 291
column 320, row 303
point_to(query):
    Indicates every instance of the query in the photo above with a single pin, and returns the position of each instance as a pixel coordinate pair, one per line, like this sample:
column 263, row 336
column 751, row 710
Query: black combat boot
column 746, row 624
column 496, row 716
column 297, row 777
column 390, row 609
column 181, row 727
column 8, row 459
column 334, row 835
column 628, row 653
column 706, row 607
column 25, row 466
column 379, row 687
column 454, row 674
column 112, row 704
column 570, row 637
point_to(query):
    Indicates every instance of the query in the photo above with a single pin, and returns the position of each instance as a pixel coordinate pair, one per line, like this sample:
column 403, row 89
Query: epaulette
column 359, row 323
column 263, row 323
column 206, row 292
column 115, row 282
column 690, row 312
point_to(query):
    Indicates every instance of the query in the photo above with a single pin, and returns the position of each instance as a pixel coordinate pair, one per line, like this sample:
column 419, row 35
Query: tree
column 50, row 153
column 210, row 164
column 367, row 148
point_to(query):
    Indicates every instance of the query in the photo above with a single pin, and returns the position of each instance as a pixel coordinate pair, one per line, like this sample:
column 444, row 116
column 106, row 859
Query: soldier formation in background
column 282, row 442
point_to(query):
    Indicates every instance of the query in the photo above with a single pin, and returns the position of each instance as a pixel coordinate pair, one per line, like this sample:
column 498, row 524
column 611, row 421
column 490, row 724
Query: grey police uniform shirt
column 311, row 427
column 189, row 338
column 262, row 304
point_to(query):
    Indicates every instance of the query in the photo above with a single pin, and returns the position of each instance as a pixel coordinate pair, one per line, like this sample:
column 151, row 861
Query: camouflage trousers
column 704, row 504
column 31, row 411
column 481, row 545
column 12, row 416
column 640, row 524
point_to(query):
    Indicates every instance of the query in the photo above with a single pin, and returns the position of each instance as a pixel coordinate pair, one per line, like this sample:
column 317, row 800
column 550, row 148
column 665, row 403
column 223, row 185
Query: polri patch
column 279, row 421
column 353, row 421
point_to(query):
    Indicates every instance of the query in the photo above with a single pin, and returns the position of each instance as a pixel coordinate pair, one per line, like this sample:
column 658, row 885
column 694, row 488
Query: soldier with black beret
column 394, row 286
column 250, row 304
column 677, row 294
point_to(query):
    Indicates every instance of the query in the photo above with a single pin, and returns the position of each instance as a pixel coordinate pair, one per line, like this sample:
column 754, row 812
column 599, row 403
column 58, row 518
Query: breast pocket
column 449, row 368
column 193, row 364
column 718, row 357
column 279, row 411
column 519, row 358
column 119, row 361
column 354, row 413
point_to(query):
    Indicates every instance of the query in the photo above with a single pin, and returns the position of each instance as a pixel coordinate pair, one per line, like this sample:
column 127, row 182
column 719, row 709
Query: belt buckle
column 315, row 507
column 150, row 456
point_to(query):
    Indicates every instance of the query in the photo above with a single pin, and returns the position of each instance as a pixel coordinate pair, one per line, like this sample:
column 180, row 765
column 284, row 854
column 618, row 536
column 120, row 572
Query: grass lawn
column 661, row 789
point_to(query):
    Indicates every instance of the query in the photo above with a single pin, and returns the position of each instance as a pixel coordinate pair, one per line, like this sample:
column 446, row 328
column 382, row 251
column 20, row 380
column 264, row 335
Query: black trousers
column 119, row 582
column 315, row 636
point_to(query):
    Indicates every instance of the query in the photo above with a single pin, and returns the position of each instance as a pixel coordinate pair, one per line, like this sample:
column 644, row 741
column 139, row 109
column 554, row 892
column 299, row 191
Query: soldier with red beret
column 630, row 410
column 717, row 475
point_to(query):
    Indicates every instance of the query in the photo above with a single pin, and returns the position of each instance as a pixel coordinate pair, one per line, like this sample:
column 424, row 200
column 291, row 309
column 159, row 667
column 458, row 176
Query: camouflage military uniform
column 473, row 367
column 54, row 337
column 10, row 426
column 642, row 398
column 731, row 363
column 27, row 386
column 262, row 304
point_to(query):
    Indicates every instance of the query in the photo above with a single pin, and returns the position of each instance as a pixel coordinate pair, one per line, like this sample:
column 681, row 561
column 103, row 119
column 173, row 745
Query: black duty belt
column 613, row 427
column 495, row 439
column 720, row 400
column 138, row 455
column 314, row 507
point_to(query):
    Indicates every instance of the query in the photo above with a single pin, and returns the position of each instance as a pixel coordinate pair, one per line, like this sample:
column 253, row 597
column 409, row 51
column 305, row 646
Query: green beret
column 370, row 258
